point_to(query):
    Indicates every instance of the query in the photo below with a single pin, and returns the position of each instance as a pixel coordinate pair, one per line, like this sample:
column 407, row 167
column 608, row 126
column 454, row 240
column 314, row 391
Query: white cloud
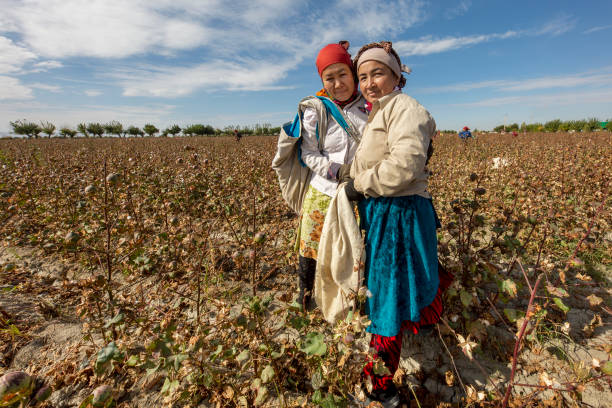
column 92, row 92
column 597, row 28
column 374, row 18
column 100, row 28
column 600, row 78
column 555, row 27
column 12, row 88
column 209, row 77
column 557, row 99
column 276, row 48
column 429, row 45
column 46, row 65
column 12, row 56
column 271, row 36
column 459, row 10
column 46, row 87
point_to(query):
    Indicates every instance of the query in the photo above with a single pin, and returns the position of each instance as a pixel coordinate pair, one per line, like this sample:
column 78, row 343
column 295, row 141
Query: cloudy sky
column 475, row 62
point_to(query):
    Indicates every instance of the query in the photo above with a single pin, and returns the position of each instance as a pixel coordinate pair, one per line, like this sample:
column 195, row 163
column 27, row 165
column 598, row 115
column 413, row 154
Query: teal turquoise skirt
column 401, row 270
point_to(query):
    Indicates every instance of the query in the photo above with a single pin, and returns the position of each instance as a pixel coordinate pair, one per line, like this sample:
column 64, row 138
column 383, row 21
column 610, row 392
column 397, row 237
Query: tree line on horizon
column 115, row 128
column 558, row 125
column 555, row 125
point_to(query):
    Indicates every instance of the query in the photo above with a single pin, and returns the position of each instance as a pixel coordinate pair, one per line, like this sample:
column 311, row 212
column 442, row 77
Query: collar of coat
column 383, row 101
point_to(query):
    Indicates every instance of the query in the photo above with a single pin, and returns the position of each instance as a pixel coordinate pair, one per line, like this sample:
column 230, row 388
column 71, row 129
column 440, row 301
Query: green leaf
column 278, row 354
column 380, row 368
column 513, row 315
column 561, row 305
column 466, row 298
column 299, row 322
column 110, row 352
column 151, row 367
column 556, row 291
column 132, row 361
column 169, row 386
column 317, row 397
column 349, row 316
column 508, row 286
column 115, row 320
column 316, row 380
column 262, row 395
column 243, row 357
column 607, row 368
column 86, row 402
column 216, row 353
column 267, row 374
column 314, row 344
column 177, row 359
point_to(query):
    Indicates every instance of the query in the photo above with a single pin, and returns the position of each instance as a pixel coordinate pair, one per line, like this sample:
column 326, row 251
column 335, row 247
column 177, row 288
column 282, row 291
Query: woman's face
column 376, row 80
column 338, row 81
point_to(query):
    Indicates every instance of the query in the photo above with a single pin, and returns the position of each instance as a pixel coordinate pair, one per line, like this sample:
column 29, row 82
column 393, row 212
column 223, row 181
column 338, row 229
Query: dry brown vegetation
column 179, row 304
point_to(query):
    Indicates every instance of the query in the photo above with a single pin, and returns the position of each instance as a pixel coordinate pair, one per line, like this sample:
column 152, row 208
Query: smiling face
column 338, row 81
column 376, row 80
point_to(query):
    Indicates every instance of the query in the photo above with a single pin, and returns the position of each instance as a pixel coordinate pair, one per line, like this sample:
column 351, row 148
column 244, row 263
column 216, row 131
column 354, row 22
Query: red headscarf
column 332, row 54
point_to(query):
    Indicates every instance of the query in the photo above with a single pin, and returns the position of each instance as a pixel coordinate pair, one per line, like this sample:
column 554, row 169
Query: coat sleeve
column 317, row 161
column 409, row 131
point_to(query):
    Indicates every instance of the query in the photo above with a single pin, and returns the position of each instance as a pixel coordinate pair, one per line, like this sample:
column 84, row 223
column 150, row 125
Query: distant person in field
column 465, row 134
column 389, row 180
column 237, row 135
column 329, row 165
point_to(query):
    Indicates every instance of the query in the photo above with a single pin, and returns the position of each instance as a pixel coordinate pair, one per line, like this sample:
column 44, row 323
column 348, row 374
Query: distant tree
column 499, row 128
column 591, row 124
column 578, row 125
column 209, row 130
column 552, row 125
column 513, row 126
column 188, row 130
column 229, row 129
column 197, row 129
column 150, row 129
column 609, row 125
column 523, row 127
column 276, row 130
column 26, row 128
column 564, row 126
column 173, row 130
column 82, row 127
column 47, row 128
column 95, row 129
column 114, row 128
column 262, row 129
column 135, row 131
column 67, row 132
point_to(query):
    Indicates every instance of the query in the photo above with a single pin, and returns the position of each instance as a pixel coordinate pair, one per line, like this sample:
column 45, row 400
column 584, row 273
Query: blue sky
column 476, row 63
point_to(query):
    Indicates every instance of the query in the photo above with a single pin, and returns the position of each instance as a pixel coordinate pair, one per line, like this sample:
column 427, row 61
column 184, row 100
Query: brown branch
column 518, row 342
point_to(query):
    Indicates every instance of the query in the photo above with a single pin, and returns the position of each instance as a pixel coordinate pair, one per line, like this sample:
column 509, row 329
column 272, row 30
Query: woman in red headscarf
column 335, row 68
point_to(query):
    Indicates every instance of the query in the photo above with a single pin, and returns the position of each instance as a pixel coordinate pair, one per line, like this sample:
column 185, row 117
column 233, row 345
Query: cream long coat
column 390, row 160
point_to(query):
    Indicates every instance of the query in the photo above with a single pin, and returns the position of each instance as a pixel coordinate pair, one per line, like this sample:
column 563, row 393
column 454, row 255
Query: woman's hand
column 344, row 173
column 351, row 193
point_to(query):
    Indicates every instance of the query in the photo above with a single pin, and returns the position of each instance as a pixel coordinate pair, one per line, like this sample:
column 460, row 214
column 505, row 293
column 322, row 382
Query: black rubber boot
column 306, row 275
column 389, row 398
